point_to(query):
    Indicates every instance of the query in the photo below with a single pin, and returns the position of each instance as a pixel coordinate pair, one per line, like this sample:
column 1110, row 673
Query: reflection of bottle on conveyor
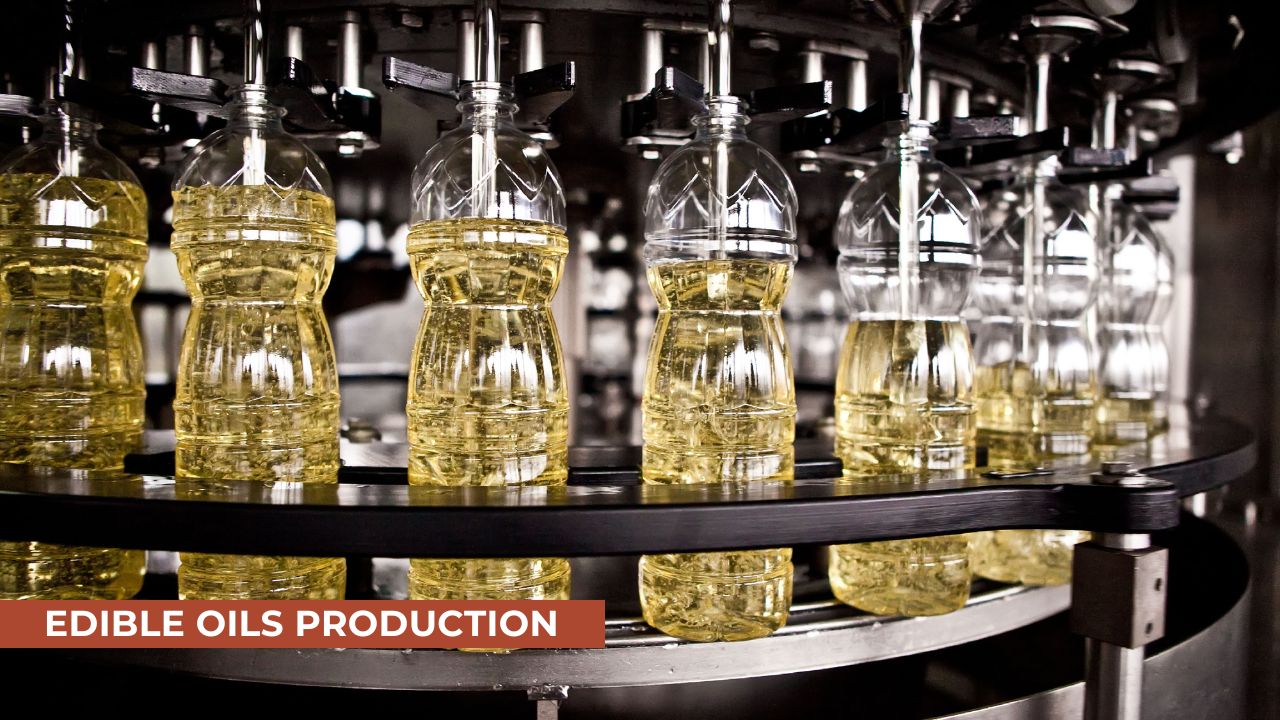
column 73, row 241
column 257, row 395
column 487, row 401
column 719, row 401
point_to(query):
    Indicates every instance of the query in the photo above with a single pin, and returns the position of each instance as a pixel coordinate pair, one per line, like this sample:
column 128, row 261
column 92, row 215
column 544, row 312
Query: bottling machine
column 858, row 354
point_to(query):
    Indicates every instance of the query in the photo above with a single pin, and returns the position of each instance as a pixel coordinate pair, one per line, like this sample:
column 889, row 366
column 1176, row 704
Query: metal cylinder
column 959, row 101
column 720, row 47
column 910, row 68
column 857, row 84
column 349, row 50
column 152, row 58
column 653, row 59
column 293, row 45
column 933, row 99
column 195, row 56
column 1037, row 105
column 255, row 58
column 812, row 61
column 1107, row 128
column 531, row 56
column 466, row 49
column 487, row 41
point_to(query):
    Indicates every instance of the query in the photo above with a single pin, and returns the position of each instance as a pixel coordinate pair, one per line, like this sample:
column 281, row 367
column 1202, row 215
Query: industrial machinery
column 822, row 424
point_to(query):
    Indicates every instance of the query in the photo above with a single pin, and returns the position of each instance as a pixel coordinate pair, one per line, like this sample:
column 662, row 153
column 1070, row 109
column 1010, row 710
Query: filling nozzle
column 720, row 46
column 255, row 59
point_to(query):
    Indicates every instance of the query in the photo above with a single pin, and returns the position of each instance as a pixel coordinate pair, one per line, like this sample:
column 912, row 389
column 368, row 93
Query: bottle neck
column 486, row 103
column 250, row 109
column 724, row 119
column 915, row 143
column 62, row 127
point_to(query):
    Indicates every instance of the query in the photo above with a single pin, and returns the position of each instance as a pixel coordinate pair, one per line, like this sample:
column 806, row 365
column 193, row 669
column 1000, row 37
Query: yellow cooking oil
column 904, row 405
column 487, row 401
column 257, row 396
column 71, row 375
column 719, row 408
column 1023, row 430
column 1125, row 418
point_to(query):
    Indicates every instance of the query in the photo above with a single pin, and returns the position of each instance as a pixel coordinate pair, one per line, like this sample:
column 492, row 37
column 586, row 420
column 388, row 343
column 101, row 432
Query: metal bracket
column 1118, row 596
column 547, row 700
column 538, row 92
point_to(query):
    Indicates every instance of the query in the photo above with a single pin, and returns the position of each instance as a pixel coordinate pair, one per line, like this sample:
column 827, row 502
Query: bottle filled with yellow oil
column 904, row 386
column 487, row 404
column 719, row 400
column 257, row 396
column 1037, row 376
column 73, row 241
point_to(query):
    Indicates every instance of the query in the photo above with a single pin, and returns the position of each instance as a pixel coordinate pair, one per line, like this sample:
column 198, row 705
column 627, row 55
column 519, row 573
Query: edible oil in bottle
column 257, row 396
column 487, row 402
column 719, row 407
column 904, row 387
column 73, row 241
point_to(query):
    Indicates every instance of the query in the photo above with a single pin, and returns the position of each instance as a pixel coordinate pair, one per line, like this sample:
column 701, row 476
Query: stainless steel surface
column 255, row 56
column 349, row 59
column 634, row 654
column 531, row 52
column 1113, row 673
column 1202, row 677
column 151, row 56
column 720, row 48
column 195, row 56
column 293, row 45
column 1113, row 682
column 466, row 55
column 488, row 41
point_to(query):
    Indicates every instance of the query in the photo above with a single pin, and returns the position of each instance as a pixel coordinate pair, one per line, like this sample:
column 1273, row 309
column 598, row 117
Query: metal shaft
column 293, row 45
column 857, row 84
column 349, row 50
column 151, row 56
column 531, row 55
column 487, row 41
column 255, row 59
column 720, row 46
column 1113, row 674
column 1037, row 105
column 653, row 58
column 195, row 59
column 466, row 49
column 933, row 99
column 910, row 67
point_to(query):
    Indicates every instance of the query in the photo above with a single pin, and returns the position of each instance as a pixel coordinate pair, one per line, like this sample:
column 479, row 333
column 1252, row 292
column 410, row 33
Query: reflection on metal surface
column 820, row 635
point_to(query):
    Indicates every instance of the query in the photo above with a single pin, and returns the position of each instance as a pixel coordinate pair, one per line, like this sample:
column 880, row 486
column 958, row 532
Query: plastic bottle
column 73, row 241
column 904, row 390
column 257, row 396
column 719, row 403
column 487, row 401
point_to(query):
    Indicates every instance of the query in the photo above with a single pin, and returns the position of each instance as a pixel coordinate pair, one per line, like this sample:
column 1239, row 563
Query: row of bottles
column 257, row 397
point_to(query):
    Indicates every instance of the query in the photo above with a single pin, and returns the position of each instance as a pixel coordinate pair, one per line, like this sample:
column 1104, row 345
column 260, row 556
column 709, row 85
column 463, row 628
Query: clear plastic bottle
column 487, row 401
column 904, row 390
column 1129, row 371
column 257, row 397
column 73, row 241
column 719, row 402
column 1036, row 382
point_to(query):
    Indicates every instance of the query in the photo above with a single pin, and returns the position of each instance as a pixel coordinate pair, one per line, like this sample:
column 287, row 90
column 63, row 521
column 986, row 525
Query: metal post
column 720, row 48
column 531, row 55
column 255, row 58
column 487, row 41
column 349, row 51
column 1113, row 673
column 653, row 58
column 858, row 84
column 195, row 58
column 1118, row 604
column 933, row 98
column 466, row 49
column 293, row 45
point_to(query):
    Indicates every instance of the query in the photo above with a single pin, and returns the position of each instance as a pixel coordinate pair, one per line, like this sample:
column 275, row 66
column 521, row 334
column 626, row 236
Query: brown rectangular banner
column 302, row 624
